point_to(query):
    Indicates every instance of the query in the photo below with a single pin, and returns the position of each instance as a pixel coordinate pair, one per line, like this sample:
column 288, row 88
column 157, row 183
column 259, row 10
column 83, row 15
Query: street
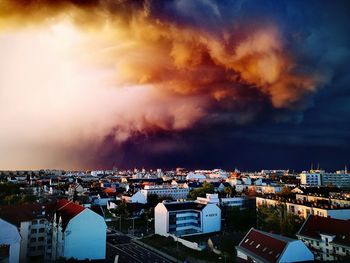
column 130, row 252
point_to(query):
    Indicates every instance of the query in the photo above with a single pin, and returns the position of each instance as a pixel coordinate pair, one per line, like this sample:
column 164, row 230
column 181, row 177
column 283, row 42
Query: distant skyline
column 101, row 83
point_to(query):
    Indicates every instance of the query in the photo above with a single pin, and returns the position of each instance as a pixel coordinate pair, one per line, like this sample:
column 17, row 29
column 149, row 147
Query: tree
column 278, row 220
column 229, row 191
column 207, row 188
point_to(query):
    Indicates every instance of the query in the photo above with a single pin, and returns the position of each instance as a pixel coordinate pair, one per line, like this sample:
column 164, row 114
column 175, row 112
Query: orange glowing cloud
column 78, row 76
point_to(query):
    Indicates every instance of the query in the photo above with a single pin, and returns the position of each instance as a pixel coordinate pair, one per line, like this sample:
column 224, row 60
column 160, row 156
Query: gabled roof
column 15, row 214
column 314, row 226
column 264, row 246
column 67, row 210
column 177, row 206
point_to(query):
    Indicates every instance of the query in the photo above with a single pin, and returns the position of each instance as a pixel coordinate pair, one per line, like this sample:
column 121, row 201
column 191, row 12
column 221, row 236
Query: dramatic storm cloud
column 88, row 84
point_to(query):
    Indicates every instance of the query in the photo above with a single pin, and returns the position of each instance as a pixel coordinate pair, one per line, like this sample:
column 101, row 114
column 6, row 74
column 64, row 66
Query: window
column 265, row 248
column 34, row 222
column 41, row 230
column 33, row 231
column 258, row 245
column 33, row 239
column 271, row 251
column 41, row 239
column 246, row 241
column 42, row 221
column 40, row 247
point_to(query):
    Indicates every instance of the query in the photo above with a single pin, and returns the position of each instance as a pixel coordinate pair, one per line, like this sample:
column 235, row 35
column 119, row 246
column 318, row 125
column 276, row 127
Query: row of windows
column 34, row 231
column 33, row 239
column 33, row 248
column 41, row 221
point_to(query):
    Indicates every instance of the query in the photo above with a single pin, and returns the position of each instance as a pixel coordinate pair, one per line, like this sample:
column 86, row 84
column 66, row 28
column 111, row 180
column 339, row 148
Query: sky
column 244, row 84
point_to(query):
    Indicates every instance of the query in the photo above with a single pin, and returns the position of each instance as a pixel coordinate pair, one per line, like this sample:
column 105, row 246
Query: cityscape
column 192, row 131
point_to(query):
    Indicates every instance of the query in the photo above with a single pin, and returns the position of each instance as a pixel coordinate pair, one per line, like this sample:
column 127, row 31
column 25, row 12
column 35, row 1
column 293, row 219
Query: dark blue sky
column 316, row 132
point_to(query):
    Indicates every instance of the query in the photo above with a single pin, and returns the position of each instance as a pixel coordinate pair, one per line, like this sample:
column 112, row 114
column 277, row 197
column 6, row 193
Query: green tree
column 278, row 220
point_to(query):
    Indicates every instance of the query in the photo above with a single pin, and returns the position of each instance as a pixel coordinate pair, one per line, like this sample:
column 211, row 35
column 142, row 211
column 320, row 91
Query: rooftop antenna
column 318, row 166
column 346, row 169
column 312, row 167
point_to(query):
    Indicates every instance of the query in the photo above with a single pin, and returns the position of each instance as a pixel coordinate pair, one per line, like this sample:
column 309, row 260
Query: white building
column 262, row 247
column 228, row 201
column 78, row 233
column 176, row 193
column 329, row 238
column 186, row 218
column 138, row 197
column 196, row 177
column 10, row 241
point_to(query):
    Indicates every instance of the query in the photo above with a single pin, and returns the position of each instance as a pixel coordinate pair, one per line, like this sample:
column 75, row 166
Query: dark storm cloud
column 307, row 110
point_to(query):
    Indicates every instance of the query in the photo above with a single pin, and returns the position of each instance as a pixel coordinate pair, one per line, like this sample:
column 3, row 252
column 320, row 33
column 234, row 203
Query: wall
column 189, row 244
column 85, row 236
column 296, row 251
column 161, row 224
column 211, row 223
column 24, row 232
column 339, row 214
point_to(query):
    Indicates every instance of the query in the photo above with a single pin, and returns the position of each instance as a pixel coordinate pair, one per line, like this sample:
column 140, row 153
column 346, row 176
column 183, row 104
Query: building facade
column 78, row 233
column 328, row 238
column 176, row 193
column 186, row 218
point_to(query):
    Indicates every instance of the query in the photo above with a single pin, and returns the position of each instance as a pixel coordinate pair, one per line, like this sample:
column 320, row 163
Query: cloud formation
column 74, row 73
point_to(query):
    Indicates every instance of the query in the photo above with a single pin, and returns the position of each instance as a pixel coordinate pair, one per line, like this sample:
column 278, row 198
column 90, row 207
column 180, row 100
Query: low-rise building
column 32, row 221
column 311, row 178
column 78, row 233
column 329, row 238
column 262, row 247
column 226, row 201
column 186, row 218
column 176, row 193
column 304, row 209
column 137, row 197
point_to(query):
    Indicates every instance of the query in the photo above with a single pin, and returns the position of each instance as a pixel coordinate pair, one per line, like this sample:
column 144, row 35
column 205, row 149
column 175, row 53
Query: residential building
column 263, row 247
column 10, row 241
column 186, row 218
column 311, row 178
column 78, row 233
column 227, row 201
column 339, row 179
column 329, row 238
column 137, row 197
column 176, row 193
column 32, row 221
column 304, row 208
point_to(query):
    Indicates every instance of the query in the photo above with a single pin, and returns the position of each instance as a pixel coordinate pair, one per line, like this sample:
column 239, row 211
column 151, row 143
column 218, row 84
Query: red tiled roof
column 16, row 214
column 264, row 245
column 316, row 225
column 67, row 210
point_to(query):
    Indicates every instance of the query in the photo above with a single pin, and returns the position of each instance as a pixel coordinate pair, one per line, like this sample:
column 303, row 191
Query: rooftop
column 266, row 246
column 176, row 206
column 314, row 226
